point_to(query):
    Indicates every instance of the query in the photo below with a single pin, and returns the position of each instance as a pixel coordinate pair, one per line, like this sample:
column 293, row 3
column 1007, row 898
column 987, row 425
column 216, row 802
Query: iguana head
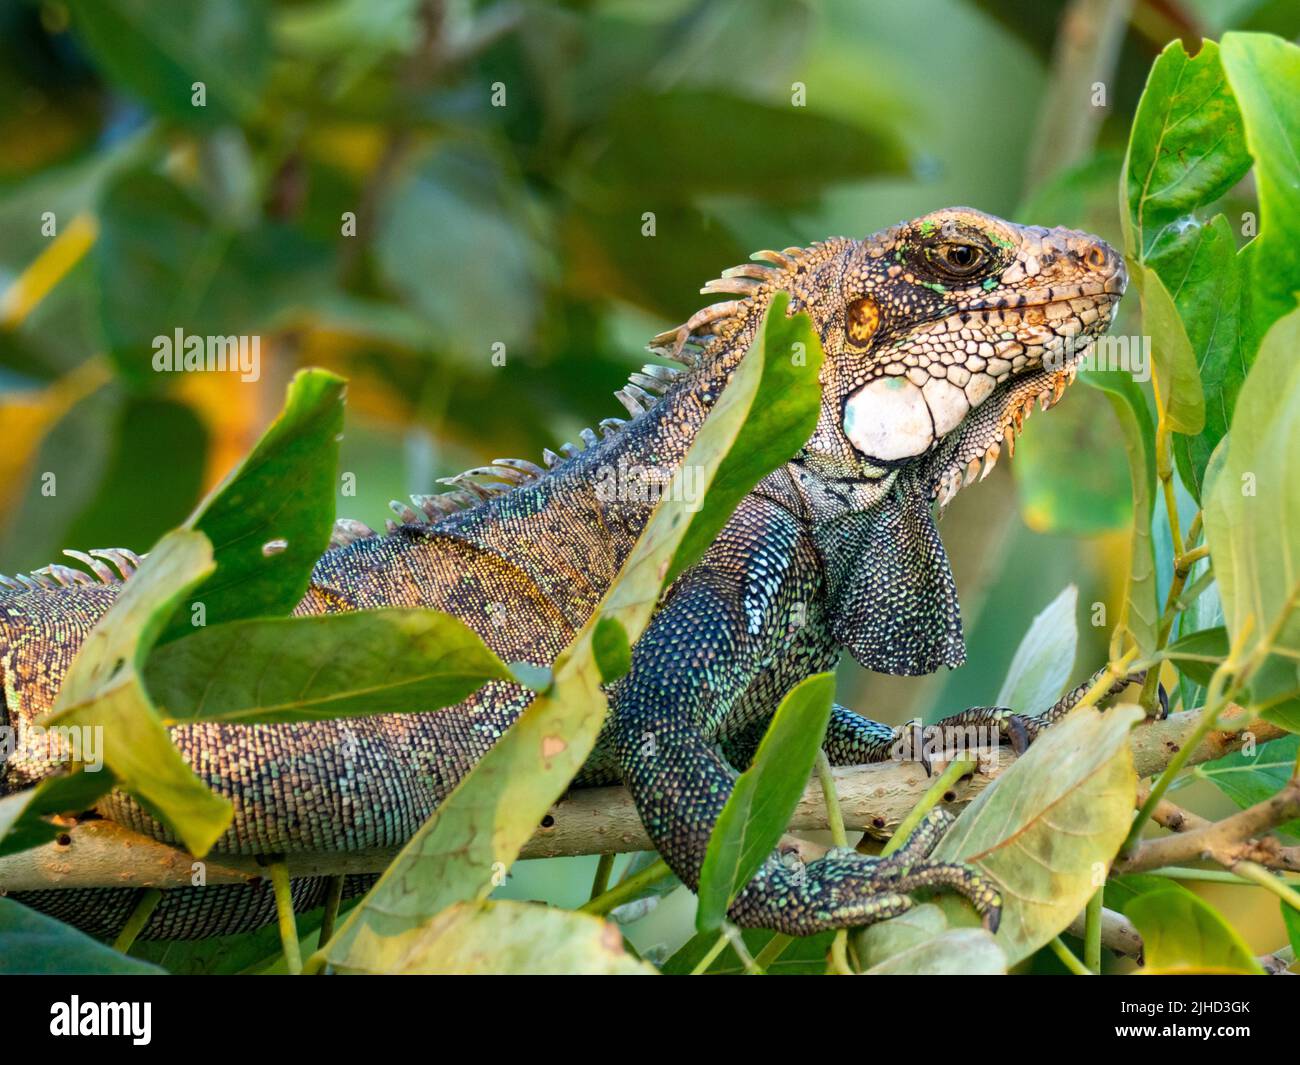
column 940, row 334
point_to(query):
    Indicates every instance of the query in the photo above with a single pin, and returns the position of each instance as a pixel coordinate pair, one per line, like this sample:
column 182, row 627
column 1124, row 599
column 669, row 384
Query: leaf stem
column 1067, row 958
column 1257, row 874
column 144, row 907
column 600, row 882
column 1214, row 876
column 772, row 949
column 834, row 816
column 952, row 773
column 737, row 941
column 702, row 966
column 284, row 910
column 839, row 961
column 1092, row 934
column 627, row 890
column 835, row 821
column 333, row 896
column 1217, row 697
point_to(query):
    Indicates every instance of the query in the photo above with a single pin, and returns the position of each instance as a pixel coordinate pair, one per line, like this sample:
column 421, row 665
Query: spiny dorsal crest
column 56, row 575
column 693, row 344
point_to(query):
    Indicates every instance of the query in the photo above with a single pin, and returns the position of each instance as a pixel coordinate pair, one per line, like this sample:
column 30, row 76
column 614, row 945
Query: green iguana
column 940, row 334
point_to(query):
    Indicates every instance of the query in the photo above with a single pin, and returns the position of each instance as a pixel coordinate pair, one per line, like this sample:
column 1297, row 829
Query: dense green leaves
column 1200, row 122
column 330, row 666
column 103, row 690
column 764, row 797
column 169, row 261
column 1049, row 823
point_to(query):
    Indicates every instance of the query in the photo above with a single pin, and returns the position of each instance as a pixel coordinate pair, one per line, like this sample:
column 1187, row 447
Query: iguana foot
column 952, row 736
column 845, row 889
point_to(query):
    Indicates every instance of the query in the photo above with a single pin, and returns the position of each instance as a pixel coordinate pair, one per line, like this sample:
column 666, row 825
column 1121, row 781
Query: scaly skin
column 935, row 334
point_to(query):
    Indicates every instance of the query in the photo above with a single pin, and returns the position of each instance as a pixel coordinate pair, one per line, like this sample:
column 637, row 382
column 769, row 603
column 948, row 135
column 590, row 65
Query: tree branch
column 1235, row 839
column 873, row 798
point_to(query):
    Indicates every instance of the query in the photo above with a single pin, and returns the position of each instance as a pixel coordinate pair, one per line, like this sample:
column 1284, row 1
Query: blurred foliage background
column 407, row 190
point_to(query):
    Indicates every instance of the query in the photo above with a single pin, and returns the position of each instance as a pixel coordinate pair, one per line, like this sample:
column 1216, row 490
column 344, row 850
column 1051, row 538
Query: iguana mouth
column 1041, row 379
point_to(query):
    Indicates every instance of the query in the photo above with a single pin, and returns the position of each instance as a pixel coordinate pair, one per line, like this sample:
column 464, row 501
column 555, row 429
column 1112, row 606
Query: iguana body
column 935, row 334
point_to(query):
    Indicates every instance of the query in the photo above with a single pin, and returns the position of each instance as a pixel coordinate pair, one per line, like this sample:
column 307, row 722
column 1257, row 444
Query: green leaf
column 1141, row 611
column 790, row 353
column 1176, row 375
column 654, row 147
column 103, row 689
column 1291, row 918
column 1264, row 72
column 1120, row 891
column 612, row 651
column 270, row 520
column 506, row 938
column 477, row 832
column 1252, row 513
column 1206, row 272
column 22, row 815
column 803, row 956
column 328, row 666
column 1186, row 147
column 1198, row 654
column 32, row 944
column 1249, row 779
column 158, row 53
column 1045, row 827
column 883, row 940
column 1181, row 934
column 1044, row 660
column 759, row 808
column 957, row 952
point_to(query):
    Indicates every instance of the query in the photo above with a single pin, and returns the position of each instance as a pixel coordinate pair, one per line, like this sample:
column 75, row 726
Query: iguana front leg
column 706, row 644
column 852, row 739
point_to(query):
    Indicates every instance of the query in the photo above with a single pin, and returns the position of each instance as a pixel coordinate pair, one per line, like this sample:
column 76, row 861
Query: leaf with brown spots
column 1047, row 829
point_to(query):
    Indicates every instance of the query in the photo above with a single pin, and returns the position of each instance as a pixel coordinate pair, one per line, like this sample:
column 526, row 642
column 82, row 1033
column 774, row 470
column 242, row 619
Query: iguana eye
column 958, row 260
